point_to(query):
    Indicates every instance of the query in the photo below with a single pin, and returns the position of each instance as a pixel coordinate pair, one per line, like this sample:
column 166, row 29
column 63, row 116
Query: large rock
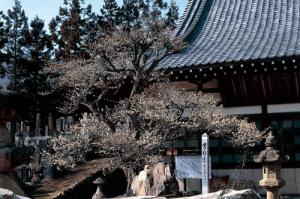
column 7, row 194
column 154, row 182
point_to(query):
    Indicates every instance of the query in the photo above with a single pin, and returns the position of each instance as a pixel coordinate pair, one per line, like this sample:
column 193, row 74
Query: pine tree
column 157, row 7
column 133, row 10
column 39, row 52
column 72, row 28
column 110, row 13
column 3, row 41
column 172, row 14
column 90, row 26
column 54, row 34
column 17, row 45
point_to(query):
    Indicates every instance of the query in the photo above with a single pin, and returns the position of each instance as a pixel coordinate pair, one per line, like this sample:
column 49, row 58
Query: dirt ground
column 51, row 188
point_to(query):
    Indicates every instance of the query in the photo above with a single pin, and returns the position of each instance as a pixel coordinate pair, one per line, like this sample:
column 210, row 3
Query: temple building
column 246, row 52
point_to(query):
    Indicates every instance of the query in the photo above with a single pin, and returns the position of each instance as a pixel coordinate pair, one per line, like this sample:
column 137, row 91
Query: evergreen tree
column 157, row 7
column 3, row 37
column 17, row 44
column 39, row 52
column 90, row 26
column 72, row 28
column 110, row 13
column 172, row 14
column 133, row 11
column 3, row 41
column 54, row 34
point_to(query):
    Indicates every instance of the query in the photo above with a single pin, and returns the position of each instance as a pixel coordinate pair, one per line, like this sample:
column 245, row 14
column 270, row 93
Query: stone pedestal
column 273, row 194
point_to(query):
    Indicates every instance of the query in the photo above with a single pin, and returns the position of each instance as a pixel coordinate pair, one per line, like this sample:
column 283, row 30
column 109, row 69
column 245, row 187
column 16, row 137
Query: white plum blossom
column 158, row 115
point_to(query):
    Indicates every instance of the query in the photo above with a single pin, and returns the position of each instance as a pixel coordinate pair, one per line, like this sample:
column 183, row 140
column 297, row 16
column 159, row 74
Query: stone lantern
column 99, row 182
column 271, row 160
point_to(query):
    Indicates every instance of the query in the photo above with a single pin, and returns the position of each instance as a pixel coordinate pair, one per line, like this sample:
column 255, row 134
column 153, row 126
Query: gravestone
column 5, row 152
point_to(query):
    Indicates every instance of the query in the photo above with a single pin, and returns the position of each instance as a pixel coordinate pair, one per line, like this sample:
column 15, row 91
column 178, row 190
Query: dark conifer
column 39, row 53
column 17, row 44
column 3, row 41
column 72, row 28
column 133, row 10
column 172, row 14
column 110, row 13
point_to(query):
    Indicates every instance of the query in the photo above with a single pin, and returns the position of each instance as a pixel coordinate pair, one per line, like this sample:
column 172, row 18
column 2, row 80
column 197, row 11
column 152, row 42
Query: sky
column 46, row 9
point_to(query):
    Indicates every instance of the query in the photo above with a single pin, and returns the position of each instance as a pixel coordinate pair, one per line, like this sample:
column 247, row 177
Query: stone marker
column 205, row 163
column 46, row 130
column 5, row 151
column 50, row 123
column 38, row 124
column 99, row 182
column 5, row 137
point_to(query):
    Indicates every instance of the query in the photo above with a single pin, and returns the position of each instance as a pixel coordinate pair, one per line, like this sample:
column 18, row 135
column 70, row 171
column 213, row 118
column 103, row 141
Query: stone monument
column 99, row 194
column 5, row 151
column 271, row 160
column 5, row 137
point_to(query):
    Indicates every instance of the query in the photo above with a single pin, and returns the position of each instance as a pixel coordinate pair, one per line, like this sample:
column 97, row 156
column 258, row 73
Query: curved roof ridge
column 198, row 13
column 183, row 18
column 190, row 18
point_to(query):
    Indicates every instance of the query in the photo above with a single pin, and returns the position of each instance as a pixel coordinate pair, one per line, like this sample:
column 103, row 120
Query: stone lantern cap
column 99, row 181
column 270, row 154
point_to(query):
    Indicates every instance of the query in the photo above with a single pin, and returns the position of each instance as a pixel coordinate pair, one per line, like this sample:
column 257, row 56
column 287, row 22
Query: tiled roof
column 221, row 31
